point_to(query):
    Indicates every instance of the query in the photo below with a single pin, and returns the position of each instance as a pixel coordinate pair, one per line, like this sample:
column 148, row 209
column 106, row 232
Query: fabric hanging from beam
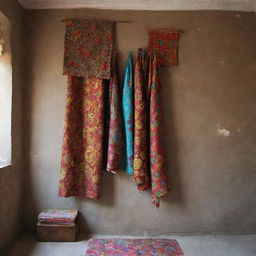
column 165, row 43
column 141, row 127
column 158, row 168
column 115, row 134
column 82, row 149
column 128, row 114
column 88, row 48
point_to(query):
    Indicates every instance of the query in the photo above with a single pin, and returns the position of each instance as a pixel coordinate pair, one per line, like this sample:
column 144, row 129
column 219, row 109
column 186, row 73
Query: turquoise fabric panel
column 128, row 114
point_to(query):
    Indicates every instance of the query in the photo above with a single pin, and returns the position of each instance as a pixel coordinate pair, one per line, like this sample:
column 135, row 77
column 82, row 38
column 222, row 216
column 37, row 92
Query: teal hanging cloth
column 128, row 114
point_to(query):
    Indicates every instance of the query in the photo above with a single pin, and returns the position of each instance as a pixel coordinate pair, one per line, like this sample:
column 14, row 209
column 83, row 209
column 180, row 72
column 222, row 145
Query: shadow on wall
column 107, row 200
column 175, row 195
column 31, row 209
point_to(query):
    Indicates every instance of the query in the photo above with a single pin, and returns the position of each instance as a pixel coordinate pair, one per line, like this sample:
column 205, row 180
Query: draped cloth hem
column 82, row 148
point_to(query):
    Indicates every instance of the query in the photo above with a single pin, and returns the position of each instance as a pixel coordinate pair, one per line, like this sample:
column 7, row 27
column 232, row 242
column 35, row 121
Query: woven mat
column 134, row 247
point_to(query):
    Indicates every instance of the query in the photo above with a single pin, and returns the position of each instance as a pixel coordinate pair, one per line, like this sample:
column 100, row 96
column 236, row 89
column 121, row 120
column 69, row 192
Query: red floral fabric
column 159, row 178
column 141, row 142
column 134, row 247
column 115, row 137
column 88, row 48
column 165, row 43
column 81, row 162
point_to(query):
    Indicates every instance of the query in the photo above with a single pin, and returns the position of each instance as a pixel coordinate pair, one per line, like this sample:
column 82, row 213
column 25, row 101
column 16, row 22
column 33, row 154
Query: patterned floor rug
column 134, row 247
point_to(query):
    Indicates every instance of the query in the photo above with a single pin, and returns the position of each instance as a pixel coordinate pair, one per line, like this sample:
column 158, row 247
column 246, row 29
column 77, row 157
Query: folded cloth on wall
column 82, row 148
column 51, row 216
column 165, row 43
column 128, row 114
column 115, row 135
column 88, row 48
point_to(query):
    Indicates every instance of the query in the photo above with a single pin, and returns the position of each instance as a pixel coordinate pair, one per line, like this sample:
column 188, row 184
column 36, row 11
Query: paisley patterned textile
column 81, row 162
column 133, row 247
column 141, row 131
column 159, row 178
column 128, row 114
column 88, row 48
column 165, row 43
column 115, row 137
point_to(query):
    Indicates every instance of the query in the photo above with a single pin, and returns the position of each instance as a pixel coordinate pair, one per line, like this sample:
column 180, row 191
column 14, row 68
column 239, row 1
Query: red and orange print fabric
column 115, row 135
column 88, row 48
column 158, row 168
column 82, row 149
column 165, row 43
column 141, row 135
column 87, row 62
column 150, row 170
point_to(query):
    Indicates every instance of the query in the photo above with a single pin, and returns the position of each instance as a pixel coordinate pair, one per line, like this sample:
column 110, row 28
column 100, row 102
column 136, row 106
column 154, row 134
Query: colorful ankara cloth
column 165, row 43
column 88, row 48
column 134, row 247
column 115, row 137
column 141, row 128
column 128, row 114
column 81, row 162
column 159, row 178
column 57, row 216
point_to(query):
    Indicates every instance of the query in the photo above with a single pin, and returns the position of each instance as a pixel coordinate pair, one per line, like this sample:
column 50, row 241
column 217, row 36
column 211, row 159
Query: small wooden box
column 56, row 232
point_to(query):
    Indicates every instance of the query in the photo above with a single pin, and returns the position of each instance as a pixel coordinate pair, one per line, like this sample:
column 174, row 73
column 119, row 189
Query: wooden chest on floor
column 56, row 232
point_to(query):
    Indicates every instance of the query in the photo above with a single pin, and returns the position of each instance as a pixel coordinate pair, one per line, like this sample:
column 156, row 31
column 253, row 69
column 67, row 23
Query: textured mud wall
column 210, row 108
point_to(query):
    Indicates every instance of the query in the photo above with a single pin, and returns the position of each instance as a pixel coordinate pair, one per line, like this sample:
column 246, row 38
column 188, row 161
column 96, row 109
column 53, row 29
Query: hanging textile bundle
column 115, row 137
column 165, row 43
column 87, row 58
column 141, row 136
column 128, row 113
column 159, row 178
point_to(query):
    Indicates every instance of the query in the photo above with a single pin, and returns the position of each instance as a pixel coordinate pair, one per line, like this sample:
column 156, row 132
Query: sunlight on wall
column 5, row 92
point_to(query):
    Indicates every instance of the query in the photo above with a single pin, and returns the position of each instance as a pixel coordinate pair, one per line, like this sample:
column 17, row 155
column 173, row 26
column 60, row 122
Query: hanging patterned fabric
column 115, row 137
column 81, row 162
column 87, row 61
column 141, row 129
column 88, row 48
column 128, row 113
column 165, row 43
column 159, row 178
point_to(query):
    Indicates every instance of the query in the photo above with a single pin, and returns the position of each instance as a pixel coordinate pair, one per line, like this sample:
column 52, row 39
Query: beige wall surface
column 11, row 177
column 210, row 108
